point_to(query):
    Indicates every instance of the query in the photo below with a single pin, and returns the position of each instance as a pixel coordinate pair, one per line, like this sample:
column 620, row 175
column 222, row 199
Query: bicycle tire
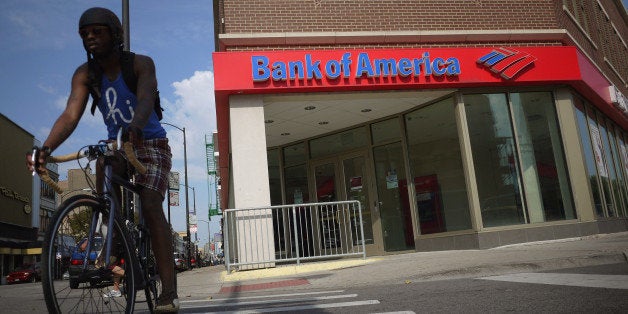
column 72, row 219
column 151, row 276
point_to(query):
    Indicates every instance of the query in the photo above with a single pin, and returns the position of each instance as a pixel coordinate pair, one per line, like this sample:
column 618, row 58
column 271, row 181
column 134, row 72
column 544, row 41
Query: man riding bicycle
column 102, row 35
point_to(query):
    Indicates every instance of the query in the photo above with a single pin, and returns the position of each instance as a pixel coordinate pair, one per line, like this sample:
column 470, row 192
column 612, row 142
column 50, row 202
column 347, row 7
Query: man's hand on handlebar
column 134, row 135
column 38, row 164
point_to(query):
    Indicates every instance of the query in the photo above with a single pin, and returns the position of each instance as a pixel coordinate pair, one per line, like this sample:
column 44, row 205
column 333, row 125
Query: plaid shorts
column 156, row 156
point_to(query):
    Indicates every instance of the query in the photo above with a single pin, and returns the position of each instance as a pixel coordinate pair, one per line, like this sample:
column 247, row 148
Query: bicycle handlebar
column 130, row 154
column 128, row 149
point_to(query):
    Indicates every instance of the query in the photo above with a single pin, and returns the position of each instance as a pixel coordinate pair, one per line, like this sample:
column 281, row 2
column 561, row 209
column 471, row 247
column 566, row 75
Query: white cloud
column 47, row 88
column 195, row 110
column 192, row 109
column 61, row 102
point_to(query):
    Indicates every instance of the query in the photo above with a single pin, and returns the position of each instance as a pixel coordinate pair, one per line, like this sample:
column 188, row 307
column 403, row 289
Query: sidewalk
column 205, row 283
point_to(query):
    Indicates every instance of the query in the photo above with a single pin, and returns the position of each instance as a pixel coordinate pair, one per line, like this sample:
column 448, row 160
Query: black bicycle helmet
column 105, row 17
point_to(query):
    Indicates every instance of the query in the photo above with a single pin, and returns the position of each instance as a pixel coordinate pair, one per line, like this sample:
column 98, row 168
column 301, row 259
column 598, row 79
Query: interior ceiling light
column 269, row 121
column 365, row 110
column 309, row 108
column 285, row 134
column 323, row 123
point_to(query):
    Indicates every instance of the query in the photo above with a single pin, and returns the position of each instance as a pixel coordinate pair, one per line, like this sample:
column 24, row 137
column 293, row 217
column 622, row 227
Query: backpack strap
column 127, row 63
column 94, row 79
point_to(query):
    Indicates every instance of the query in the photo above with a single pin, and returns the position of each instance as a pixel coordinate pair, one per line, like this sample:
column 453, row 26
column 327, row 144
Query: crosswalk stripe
column 578, row 280
column 309, row 307
column 266, row 302
column 262, row 296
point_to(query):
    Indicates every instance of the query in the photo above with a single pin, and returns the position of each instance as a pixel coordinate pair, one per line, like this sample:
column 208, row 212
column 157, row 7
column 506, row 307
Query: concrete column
column 583, row 199
column 467, row 163
column 529, row 172
column 249, row 179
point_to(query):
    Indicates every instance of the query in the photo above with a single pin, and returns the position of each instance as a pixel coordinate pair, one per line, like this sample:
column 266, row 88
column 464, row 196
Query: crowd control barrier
column 264, row 237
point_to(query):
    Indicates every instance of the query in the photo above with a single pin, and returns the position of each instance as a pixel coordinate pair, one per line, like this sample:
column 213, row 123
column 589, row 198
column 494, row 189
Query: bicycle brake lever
column 35, row 160
column 119, row 138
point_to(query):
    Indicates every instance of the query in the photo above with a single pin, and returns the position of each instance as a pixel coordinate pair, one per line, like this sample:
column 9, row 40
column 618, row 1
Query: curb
column 292, row 270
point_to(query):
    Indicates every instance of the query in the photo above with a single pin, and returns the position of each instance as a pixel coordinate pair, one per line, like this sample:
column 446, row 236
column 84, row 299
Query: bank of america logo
column 507, row 62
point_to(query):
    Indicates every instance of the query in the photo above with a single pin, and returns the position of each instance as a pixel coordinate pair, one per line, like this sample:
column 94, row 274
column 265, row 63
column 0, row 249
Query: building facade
column 26, row 203
column 457, row 124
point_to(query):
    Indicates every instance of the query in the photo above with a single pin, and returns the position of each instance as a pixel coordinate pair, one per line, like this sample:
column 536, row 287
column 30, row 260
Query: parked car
column 180, row 264
column 65, row 247
column 78, row 256
column 25, row 273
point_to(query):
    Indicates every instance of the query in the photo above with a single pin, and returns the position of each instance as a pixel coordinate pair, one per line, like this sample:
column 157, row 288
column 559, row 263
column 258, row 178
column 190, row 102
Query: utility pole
column 126, row 28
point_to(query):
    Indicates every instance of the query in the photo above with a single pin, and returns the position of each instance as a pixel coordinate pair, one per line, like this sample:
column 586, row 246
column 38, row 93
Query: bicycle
column 88, row 218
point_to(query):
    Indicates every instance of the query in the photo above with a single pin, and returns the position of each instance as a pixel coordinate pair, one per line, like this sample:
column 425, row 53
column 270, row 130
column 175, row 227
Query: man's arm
column 146, row 88
column 68, row 120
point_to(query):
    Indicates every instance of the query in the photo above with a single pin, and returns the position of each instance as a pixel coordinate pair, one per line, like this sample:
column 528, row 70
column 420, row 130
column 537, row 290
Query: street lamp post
column 187, row 205
column 209, row 235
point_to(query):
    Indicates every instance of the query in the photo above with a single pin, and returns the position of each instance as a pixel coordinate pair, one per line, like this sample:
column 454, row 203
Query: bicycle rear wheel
column 84, row 291
column 152, row 279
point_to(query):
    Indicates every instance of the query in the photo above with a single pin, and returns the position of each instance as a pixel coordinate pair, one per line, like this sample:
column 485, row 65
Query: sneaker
column 113, row 294
column 164, row 306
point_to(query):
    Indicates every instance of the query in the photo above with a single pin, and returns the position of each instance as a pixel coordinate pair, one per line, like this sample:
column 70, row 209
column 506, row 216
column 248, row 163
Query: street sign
column 174, row 198
column 209, row 151
column 173, row 180
column 193, row 228
column 213, row 211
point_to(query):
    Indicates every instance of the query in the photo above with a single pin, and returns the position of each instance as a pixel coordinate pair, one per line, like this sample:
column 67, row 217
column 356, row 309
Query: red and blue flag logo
column 508, row 63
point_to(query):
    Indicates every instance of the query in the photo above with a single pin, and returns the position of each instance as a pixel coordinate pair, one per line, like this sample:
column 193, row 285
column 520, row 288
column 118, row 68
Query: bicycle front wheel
column 75, row 281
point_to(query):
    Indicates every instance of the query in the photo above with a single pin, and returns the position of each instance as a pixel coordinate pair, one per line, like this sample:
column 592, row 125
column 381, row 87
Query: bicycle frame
column 115, row 208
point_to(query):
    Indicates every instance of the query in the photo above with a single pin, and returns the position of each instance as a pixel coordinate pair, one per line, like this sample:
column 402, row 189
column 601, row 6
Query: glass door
column 356, row 186
column 342, row 178
column 394, row 205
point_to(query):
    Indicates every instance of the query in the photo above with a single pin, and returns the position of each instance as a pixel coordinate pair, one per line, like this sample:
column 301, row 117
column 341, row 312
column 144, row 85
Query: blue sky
column 41, row 49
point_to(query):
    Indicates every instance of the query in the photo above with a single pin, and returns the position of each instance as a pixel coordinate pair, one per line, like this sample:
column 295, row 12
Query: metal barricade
column 262, row 237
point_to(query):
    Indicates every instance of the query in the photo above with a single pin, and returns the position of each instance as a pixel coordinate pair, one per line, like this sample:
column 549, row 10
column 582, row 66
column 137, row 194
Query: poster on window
column 391, row 179
column 356, row 184
column 597, row 150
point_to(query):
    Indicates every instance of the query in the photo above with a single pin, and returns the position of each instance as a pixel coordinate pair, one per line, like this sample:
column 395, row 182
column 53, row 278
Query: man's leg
column 161, row 240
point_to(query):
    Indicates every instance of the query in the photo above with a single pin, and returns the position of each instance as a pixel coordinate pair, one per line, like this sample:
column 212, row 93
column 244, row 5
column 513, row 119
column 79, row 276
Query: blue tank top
column 117, row 105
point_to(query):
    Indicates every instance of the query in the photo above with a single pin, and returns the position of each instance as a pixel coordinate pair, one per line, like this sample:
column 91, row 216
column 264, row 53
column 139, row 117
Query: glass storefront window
column 385, row 131
column 611, row 179
column 436, row 168
column 339, row 142
column 274, row 177
column 296, row 185
column 589, row 156
column 294, row 154
column 619, row 184
column 494, row 159
column 597, row 140
column 544, row 173
column 623, row 157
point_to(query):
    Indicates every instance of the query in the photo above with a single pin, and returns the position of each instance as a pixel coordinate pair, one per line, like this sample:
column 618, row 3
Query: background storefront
column 446, row 148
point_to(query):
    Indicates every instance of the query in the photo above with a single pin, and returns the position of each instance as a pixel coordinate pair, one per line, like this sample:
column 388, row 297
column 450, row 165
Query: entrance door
column 346, row 177
column 392, row 193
